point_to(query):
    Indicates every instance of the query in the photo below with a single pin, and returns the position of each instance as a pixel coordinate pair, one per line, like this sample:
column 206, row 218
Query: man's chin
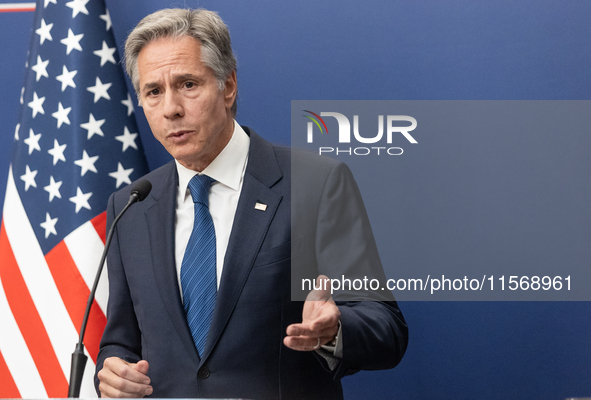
column 191, row 161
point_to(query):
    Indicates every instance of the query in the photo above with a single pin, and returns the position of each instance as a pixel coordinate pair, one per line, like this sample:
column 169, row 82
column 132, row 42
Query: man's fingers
column 119, row 378
column 126, row 370
column 127, row 390
column 305, row 343
column 320, row 326
column 113, row 386
column 309, row 330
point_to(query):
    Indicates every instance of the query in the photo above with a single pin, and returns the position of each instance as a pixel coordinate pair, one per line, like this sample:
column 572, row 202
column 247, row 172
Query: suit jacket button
column 203, row 373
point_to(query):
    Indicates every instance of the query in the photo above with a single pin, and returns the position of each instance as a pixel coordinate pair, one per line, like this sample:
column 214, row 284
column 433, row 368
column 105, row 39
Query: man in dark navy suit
column 224, row 246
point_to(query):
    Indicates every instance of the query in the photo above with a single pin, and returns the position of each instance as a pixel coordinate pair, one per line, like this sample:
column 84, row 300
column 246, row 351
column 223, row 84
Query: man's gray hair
column 205, row 26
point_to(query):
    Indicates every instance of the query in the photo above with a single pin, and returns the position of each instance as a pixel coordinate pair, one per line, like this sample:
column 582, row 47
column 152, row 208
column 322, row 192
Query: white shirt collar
column 227, row 168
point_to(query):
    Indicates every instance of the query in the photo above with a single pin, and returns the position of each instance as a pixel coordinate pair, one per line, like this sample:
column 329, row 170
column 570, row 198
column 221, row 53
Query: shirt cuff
column 333, row 353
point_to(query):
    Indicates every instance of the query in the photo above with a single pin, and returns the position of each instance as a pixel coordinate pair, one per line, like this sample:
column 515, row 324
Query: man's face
column 187, row 112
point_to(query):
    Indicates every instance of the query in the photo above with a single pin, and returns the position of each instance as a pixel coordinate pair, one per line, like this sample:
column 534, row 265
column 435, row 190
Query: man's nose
column 173, row 105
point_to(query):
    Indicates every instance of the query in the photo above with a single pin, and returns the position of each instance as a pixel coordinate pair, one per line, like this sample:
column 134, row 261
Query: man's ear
column 230, row 89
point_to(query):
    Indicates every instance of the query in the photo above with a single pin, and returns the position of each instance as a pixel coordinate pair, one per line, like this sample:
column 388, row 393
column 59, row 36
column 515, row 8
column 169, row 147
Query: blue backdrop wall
column 388, row 50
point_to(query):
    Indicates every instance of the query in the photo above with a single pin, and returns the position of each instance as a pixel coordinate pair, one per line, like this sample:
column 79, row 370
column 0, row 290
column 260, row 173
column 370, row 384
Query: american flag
column 76, row 142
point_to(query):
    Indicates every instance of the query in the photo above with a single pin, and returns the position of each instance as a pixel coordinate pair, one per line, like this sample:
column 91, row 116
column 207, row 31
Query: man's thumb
column 321, row 290
column 142, row 366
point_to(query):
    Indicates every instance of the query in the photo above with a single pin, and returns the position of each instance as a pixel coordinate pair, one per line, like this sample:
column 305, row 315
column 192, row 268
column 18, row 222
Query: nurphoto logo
column 391, row 127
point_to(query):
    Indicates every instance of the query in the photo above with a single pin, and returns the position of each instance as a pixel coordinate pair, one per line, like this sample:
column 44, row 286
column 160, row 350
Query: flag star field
column 77, row 139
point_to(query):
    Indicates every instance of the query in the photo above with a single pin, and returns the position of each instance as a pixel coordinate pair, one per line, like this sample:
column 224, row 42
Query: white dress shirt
column 228, row 171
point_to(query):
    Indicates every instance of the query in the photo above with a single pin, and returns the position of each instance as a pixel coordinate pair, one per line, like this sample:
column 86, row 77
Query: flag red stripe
column 74, row 293
column 7, row 10
column 8, row 389
column 100, row 224
column 29, row 322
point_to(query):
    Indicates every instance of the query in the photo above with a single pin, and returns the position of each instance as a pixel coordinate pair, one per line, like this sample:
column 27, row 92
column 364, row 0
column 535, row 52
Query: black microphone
column 139, row 192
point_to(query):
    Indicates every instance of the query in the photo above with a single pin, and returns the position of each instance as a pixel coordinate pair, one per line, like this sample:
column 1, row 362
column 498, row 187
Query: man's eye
column 154, row 92
column 189, row 85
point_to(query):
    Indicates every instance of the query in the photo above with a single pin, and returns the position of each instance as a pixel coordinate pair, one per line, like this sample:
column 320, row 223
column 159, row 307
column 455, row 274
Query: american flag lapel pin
column 260, row 206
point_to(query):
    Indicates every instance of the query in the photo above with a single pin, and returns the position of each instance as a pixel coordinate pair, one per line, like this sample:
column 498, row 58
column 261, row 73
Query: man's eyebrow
column 181, row 77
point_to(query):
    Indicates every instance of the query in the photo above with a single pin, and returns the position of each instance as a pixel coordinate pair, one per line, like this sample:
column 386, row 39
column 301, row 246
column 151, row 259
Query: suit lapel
column 159, row 216
column 248, row 231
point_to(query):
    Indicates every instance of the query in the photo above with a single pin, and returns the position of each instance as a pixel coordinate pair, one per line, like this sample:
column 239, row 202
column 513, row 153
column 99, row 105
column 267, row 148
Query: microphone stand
column 78, row 357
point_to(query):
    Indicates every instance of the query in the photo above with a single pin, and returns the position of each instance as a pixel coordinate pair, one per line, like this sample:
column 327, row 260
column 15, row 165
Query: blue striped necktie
column 198, row 269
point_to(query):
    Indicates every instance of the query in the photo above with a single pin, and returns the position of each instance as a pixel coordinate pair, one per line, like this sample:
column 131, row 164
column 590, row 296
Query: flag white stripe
column 38, row 278
column 16, row 353
column 86, row 247
column 17, row 6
